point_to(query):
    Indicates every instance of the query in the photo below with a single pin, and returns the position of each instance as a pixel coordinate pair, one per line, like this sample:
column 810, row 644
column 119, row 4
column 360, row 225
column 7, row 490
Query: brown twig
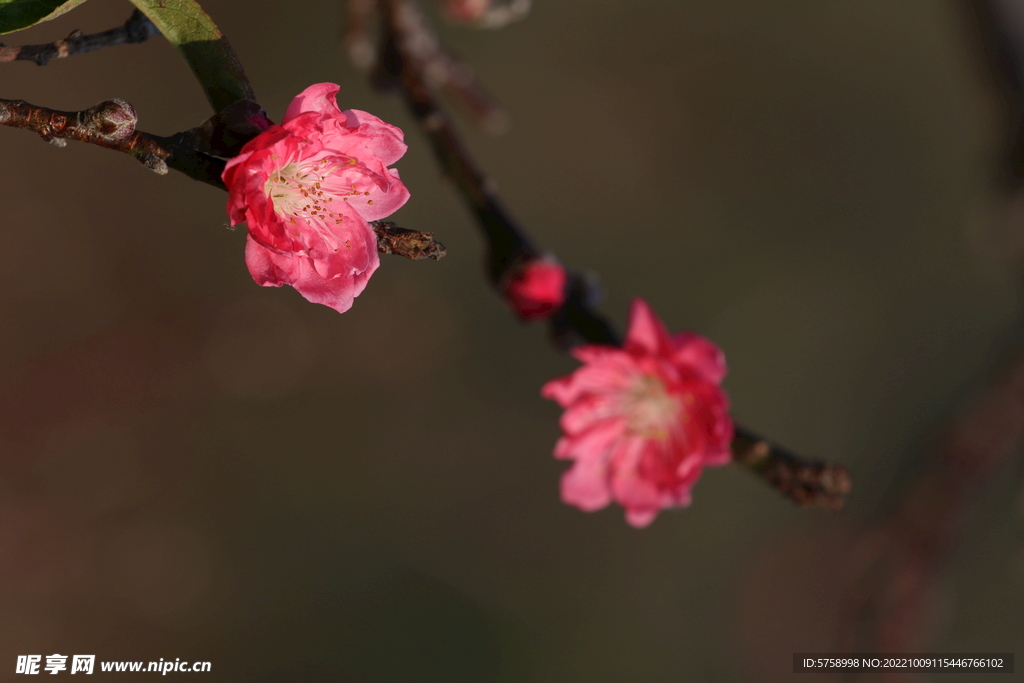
column 991, row 27
column 137, row 29
column 438, row 66
column 412, row 244
column 807, row 483
column 111, row 125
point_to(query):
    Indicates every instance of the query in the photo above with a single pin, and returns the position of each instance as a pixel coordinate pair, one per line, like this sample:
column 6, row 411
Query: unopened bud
column 536, row 288
column 115, row 119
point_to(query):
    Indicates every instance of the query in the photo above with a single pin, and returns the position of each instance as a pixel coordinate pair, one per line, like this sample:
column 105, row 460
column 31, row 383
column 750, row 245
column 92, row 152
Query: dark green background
column 192, row 466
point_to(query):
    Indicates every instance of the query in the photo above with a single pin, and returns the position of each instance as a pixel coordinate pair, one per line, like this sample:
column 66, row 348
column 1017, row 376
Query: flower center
column 648, row 408
column 298, row 193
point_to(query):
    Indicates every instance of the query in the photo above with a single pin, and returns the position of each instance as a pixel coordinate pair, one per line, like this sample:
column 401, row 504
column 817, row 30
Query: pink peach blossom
column 536, row 289
column 642, row 421
column 306, row 190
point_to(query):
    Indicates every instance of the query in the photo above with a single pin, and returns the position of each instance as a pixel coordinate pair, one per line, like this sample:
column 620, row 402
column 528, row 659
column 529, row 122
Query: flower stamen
column 648, row 408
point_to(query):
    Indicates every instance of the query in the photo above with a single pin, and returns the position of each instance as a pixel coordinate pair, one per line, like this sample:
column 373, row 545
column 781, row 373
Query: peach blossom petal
column 321, row 98
column 647, row 334
column 585, row 485
column 701, row 354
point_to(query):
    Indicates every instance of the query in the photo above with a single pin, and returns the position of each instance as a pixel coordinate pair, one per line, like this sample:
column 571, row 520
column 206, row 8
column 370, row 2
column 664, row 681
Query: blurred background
column 195, row 467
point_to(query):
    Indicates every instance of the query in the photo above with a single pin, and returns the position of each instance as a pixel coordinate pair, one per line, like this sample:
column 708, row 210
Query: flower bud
column 536, row 289
column 115, row 119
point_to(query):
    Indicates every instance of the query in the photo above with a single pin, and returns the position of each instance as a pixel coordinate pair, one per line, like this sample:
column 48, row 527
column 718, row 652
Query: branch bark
column 138, row 29
column 111, row 125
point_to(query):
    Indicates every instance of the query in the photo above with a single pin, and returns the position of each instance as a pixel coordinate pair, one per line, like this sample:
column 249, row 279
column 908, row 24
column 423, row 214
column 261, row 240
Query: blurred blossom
column 465, row 11
column 536, row 289
column 485, row 13
column 642, row 421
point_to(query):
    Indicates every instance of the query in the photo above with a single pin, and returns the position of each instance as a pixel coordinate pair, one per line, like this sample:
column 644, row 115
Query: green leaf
column 204, row 47
column 18, row 14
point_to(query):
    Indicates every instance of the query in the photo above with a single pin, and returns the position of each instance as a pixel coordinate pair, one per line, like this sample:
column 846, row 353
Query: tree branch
column 439, row 67
column 807, row 483
column 137, row 29
column 1003, row 50
column 111, row 124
